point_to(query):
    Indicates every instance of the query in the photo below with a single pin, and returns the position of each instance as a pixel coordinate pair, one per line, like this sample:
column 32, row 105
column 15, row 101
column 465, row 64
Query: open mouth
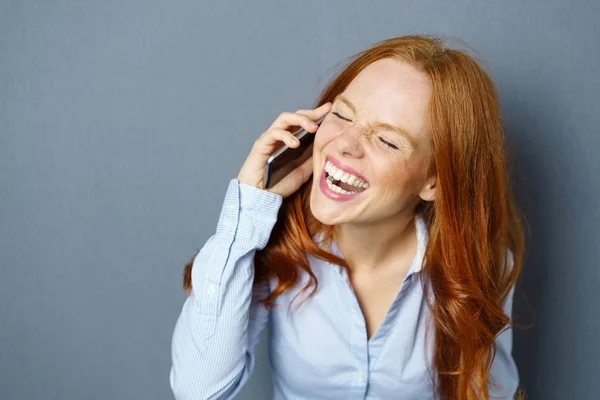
column 343, row 182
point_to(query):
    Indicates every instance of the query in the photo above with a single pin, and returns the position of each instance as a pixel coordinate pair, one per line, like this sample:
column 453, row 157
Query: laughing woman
column 385, row 264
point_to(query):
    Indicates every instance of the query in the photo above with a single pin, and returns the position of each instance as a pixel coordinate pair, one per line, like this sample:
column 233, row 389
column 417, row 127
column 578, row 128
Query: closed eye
column 390, row 145
column 339, row 116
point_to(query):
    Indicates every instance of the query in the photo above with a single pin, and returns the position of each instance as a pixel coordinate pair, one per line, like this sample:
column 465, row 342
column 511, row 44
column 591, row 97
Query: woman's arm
column 504, row 373
column 220, row 322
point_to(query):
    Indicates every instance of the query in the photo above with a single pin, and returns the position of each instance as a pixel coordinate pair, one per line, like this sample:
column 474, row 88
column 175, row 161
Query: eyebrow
column 397, row 129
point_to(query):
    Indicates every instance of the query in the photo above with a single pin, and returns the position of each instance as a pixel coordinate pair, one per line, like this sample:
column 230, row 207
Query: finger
column 316, row 113
column 303, row 118
column 274, row 137
column 288, row 119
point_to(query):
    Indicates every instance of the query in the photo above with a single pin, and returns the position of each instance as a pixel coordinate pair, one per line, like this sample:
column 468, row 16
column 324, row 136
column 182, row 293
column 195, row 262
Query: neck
column 370, row 247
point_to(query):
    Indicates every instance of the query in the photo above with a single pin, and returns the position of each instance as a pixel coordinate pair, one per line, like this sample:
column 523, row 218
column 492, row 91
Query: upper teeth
column 343, row 176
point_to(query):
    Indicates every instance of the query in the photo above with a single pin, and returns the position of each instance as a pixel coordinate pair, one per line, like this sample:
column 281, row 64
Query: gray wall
column 121, row 123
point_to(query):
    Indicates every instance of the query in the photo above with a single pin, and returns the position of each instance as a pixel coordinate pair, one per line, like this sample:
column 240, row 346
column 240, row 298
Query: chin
column 324, row 218
column 328, row 219
column 324, row 210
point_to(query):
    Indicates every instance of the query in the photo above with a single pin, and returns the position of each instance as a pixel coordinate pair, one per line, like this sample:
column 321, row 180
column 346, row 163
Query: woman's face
column 390, row 164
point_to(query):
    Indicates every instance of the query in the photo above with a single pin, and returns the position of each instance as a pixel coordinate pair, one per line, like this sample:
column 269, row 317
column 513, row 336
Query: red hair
column 472, row 224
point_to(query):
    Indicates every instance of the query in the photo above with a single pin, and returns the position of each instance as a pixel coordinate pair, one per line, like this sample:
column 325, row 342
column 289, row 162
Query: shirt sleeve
column 504, row 373
column 214, row 339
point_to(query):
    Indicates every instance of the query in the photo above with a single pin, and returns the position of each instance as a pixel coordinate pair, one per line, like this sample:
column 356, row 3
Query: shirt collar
column 422, row 238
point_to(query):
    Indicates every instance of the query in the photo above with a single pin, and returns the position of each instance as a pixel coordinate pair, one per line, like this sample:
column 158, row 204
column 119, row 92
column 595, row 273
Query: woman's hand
column 253, row 171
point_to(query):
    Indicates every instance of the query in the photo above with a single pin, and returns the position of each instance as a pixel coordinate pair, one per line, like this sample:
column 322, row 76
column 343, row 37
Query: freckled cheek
column 323, row 138
column 393, row 181
column 412, row 176
column 395, row 178
column 319, row 151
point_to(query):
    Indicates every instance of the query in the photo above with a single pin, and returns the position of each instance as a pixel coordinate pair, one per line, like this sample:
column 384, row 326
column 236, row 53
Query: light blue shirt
column 319, row 350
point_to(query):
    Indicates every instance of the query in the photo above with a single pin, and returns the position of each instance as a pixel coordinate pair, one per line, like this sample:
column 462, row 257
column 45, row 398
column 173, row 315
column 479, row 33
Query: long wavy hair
column 472, row 224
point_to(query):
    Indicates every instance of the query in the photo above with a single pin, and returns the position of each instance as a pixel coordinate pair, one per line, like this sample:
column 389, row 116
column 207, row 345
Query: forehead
column 391, row 77
column 391, row 91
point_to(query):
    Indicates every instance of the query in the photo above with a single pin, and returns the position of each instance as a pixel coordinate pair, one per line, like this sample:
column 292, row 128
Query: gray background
column 122, row 122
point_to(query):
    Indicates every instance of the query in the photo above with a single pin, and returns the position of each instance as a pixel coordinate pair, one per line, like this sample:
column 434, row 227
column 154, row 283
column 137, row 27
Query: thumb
column 306, row 169
column 294, row 179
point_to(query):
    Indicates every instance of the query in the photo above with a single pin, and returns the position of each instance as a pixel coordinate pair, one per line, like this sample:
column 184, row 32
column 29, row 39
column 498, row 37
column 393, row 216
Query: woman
column 399, row 256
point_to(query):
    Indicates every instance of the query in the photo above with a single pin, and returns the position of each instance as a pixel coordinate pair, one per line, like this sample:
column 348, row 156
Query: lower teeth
column 336, row 188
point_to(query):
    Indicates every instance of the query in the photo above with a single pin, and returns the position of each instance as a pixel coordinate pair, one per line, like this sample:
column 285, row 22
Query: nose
column 348, row 142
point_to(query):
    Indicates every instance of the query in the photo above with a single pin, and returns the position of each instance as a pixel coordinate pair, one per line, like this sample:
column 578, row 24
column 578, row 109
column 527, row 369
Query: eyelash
column 391, row 146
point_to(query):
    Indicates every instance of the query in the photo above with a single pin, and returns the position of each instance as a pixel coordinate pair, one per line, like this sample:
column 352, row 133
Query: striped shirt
column 317, row 351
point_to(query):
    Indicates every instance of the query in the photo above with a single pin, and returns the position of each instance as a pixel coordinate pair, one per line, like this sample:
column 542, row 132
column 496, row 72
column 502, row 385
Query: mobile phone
column 285, row 159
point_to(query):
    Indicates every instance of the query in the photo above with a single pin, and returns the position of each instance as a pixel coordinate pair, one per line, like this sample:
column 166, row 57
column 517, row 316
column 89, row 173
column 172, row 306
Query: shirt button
column 212, row 289
column 361, row 375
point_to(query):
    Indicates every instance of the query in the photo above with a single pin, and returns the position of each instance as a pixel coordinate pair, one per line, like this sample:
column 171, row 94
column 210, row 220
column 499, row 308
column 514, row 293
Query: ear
column 427, row 193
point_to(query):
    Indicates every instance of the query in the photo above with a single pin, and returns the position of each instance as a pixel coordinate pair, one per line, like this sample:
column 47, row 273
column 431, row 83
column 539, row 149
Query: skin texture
column 374, row 228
